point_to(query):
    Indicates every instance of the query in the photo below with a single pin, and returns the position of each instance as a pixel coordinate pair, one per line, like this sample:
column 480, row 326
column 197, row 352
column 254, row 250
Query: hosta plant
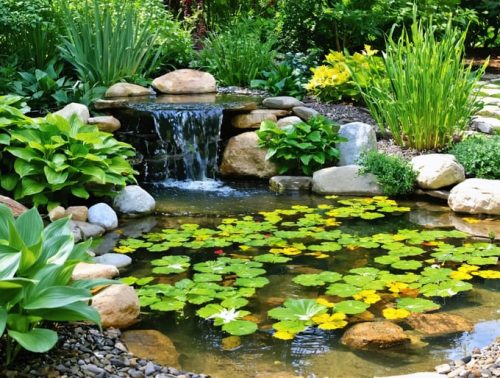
column 35, row 282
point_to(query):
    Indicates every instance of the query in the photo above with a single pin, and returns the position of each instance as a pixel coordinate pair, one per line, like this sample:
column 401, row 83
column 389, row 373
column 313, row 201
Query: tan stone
column 281, row 102
column 77, row 213
column 118, row 306
column 485, row 228
column 476, row 196
column 152, row 345
column 127, row 90
column 107, row 124
column 80, row 110
column 16, row 208
column 253, row 119
column 56, row 213
column 439, row 324
column 85, row 271
column 345, row 180
column 292, row 120
column 243, row 157
column 277, row 112
column 437, row 171
column 185, row 81
column 374, row 335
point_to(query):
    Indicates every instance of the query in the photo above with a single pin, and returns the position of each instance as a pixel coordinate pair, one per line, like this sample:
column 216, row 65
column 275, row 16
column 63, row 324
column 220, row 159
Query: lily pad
column 252, row 282
column 271, row 258
column 417, row 305
column 351, row 307
column 342, row 290
column 240, row 327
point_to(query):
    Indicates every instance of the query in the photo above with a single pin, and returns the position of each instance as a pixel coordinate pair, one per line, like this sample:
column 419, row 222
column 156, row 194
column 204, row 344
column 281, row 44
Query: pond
column 277, row 246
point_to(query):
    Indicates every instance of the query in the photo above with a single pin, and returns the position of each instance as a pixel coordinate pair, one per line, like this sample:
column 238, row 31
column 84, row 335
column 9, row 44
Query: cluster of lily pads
column 414, row 267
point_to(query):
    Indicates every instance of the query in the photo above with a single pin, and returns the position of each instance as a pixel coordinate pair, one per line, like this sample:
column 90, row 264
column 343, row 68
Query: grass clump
column 480, row 156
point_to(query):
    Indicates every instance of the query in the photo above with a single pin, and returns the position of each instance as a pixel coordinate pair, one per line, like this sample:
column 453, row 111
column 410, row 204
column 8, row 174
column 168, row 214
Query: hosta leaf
column 38, row 340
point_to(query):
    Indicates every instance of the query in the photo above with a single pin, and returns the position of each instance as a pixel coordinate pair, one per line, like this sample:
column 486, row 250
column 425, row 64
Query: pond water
column 204, row 347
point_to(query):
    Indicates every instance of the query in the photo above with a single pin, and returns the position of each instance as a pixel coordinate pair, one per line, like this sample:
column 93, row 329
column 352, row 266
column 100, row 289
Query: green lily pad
column 342, row 290
column 257, row 282
column 297, row 310
column 271, row 258
column 417, row 305
column 292, row 326
column 351, row 307
column 240, row 328
column 235, row 302
column 407, row 265
column 168, row 304
column 318, row 279
column 206, row 277
column 386, row 260
column 171, row 264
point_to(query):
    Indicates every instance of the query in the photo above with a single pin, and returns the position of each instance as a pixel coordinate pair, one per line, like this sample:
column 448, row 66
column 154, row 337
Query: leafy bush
column 480, row 156
column 429, row 95
column 394, row 174
column 334, row 80
column 35, row 282
column 48, row 159
column 307, row 146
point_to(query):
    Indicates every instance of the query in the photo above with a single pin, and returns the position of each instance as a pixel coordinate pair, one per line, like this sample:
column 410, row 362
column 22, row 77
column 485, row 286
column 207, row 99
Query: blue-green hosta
column 35, row 282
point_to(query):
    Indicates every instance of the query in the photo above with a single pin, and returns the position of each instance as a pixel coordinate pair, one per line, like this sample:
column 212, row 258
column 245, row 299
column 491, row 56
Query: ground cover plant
column 480, row 156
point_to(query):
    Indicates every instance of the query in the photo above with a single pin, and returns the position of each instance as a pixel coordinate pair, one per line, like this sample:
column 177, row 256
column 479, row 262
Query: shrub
column 305, row 146
column 394, row 174
column 35, row 282
column 480, row 156
column 334, row 80
column 429, row 95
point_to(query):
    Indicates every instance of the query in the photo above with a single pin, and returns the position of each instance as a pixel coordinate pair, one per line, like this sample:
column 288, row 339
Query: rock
column 185, row 81
column 103, row 215
column 85, row 271
column 56, row 213
column 439, row 324
column 292, row 183
column 281, row 102
column 152, row 344
column 14, row 206
column 277, row 112
column 486, row 125
column 77, row 233
column 485, row 228
column 304, row 112
column 252, row 120
column 118, row 260
column 374, row 335
column 108, row 124
column 345, row 181
column 127, row 90
column 416, row 375
column 441, row 194
column 476, row 196
column 77, row 213
column 111, row 104
column 243, row 157
column 118, row 306
column 436, row 171
column 430, row 219
column 443, row 369
column 292, row 120
column 88, row 230
column 360, row 138
column 80, row 110
column 133, row 200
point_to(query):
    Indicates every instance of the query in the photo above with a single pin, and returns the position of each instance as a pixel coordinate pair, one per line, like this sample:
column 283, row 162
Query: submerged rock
column 437, row 171
column 16, row 208
column 153, row 345
column 85, row 271
column 127, row 90
column 80, row 110
column 374, row 335
column 485, row 228
column 290, row 183
column 118, row 306
column 103, row 215
column 133, row 200
column 185, row 81
column 345, row 181
column 439, row 324
column 360, row 138
column 476, row 196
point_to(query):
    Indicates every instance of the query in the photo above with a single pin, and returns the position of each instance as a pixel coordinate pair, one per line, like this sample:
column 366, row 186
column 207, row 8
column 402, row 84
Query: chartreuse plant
column 35, row 282
column 480, row 156
column 305, row 146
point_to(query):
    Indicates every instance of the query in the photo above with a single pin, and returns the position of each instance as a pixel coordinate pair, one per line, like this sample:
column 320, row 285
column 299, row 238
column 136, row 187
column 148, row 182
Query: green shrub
column 429, row 95
column 394, row 174
column 35, row 282
column 305, row 146
column 480, row 156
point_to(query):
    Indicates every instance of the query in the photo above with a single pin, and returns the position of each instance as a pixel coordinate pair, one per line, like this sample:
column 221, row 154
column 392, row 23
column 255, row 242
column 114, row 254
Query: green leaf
column 38, row 340
column 257, row 282
column 78, row 311
column 351, row 307
column 235, row 302
column 3, row 320
column 271, row 258
column 24, row 168
column 57, row 296
column 342, row 290
column 417, row 305
column 53, row 177
column 29, row 226
column 240, row 327
column 8, row 182
column 168, row 304
column 80, row 192
column 9, row 263
column 407, row 265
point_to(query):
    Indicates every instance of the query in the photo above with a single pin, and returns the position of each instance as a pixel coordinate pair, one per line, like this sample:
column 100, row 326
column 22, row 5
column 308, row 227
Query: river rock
column 439, row 324
column 345, row 181
column 108, row 124
column 304, row 112
column 76, row 231
column 487, row 125
column 151, row 344
column 117, row 103
column 253, row 119
column 85, row 271
column 133, row 200
column 437, row 170
column 374, row 335
column 56, row 213
column 243, row 157
column 476, row 196
column 88, row 230
column 118, row 306
column 185, row 81
column 360, row 138
column 485, row 228
column 117, row 260
column 127, row 90
column 14, row 206
column 77, row 213
column 277, row 112
column 292, row 120
column 281, row 102
column 290, row 183
column 103, row 215
column 80, row 110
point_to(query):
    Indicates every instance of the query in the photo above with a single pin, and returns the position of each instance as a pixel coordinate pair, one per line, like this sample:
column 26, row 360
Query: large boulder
column 345, row 180
column 80, row 110
column 118, row 306
column 127, row 90
column 14, row 206
column 152, row 345
column 133, row 200
column 379, row 335
column 108, row 124
column 439, row 324
column 437, row 170
column 476, row 196
column 103, row 215
column 185, row 81
column 360, row 138
column 253, row 119
column 281, row 102
column 85, row 271
column 243, row 157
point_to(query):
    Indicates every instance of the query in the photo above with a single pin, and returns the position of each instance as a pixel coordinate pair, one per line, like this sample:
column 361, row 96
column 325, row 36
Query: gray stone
column 127, row 90
column 80, row 110
column 487, row 125
column 437, row 171
column 290, row 183
column 133, row 200
column 345, row 181
column 476, row 196
column 360, row 138
column 88, row 230
column 103, row 215
column 304, row 112
column 281, row 102
column 292, row 120
column 77, row 233
column 116, row 259
column 185, row 81
column 108, row 124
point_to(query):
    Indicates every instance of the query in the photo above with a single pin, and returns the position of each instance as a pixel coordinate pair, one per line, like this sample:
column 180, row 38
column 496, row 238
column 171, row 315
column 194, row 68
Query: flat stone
column 111, row 104
column 437, row 171
column 88, row 230
column 127, row 90
column 290, row 183
column 103, row 215
column 77, row 232
column 85, row 271
column 253, row 119
column 441, row 194
column 77, row 213
column 152, row 344
column 80, row 110
column 292, row 120
column 281, row 102
column 14, row 206
column 360, row 137
column 487, row 125
column 56, row 213
column 133, row 200
column 185, row 81
column 378, row 335
column 416, row 375
column 439, row 324
column 118, row 260
column 277, row 112
column 345, row 181
column 304, row 112
column 108, row 124
column 476, row 196
column 430, row 219
column 118, row 306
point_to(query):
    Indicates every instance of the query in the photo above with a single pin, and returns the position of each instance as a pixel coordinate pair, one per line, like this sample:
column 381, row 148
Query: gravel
column 84, row 351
